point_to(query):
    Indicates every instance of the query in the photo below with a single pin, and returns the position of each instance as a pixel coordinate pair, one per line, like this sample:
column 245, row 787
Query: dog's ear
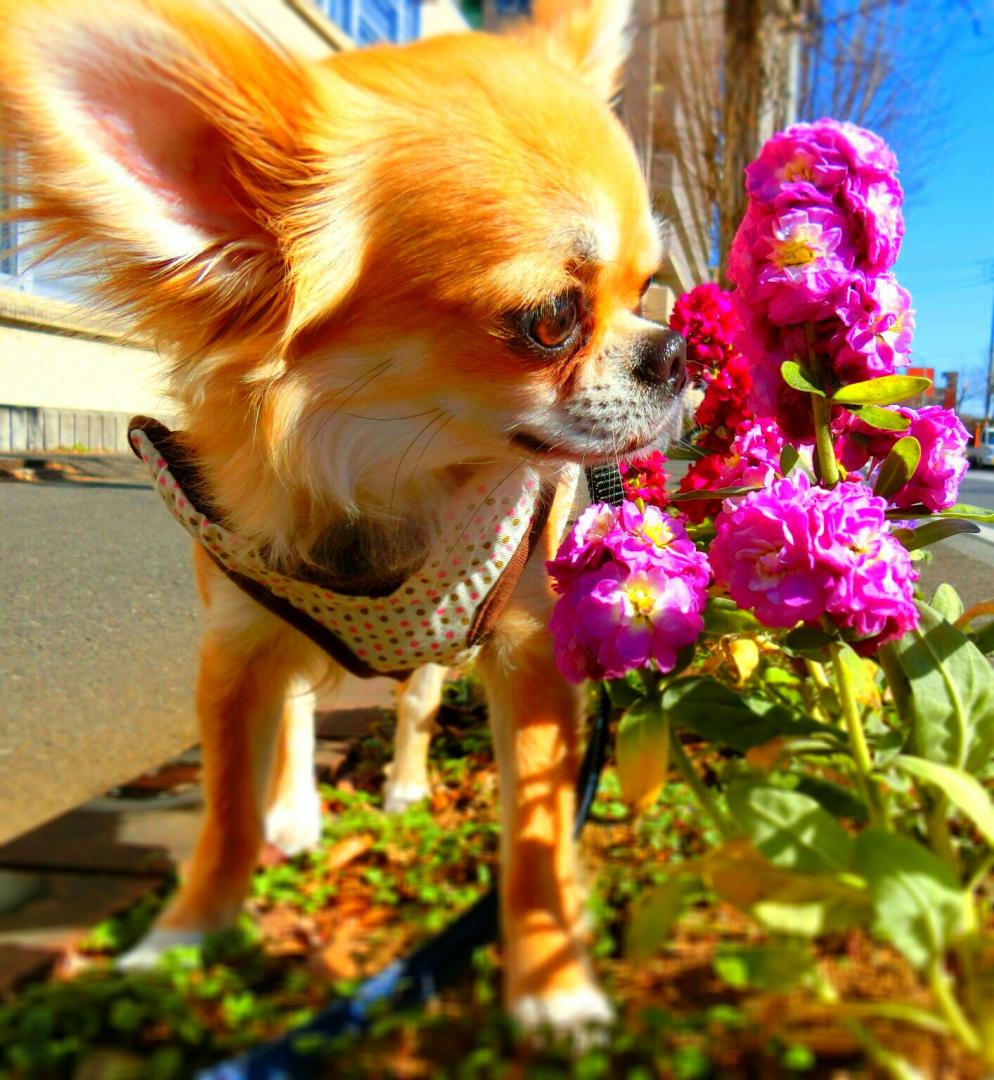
column 589, row 36
column 166, row 140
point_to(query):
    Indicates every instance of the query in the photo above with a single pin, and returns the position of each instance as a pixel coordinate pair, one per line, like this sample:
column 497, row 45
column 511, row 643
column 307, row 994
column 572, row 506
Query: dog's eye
column 552, row 325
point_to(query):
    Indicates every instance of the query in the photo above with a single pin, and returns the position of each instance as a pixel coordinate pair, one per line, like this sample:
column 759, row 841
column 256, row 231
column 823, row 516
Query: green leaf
column 838, row 800
column 789, row 457
column 654, row 915
column 715, row 493
column 808, row 641
column 887, row 390
column 725, row 717
column 784, row 901
column 946, row 600
column 642, row 752
column 626, row 691
column 962, row 511
column 964, row 791
column 984, row 639
column 886, row 419
column 685, row 452
column 898, row 467
column 918, row 904
column 944, row 688
column 723, row 616
column 791, row 829
column 794, row 375
column 933, row 531
column 771, row 968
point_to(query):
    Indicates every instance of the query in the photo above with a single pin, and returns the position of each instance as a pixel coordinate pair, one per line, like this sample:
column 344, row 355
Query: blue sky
column 947, row 259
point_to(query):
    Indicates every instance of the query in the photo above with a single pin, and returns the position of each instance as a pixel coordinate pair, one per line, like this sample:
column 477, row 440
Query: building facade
column 70, row 379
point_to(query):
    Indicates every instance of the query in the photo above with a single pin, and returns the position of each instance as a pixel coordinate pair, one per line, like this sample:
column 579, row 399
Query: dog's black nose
column 661, row 359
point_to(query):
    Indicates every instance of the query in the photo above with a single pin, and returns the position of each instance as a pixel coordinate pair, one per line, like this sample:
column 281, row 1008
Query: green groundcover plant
column 863, row 716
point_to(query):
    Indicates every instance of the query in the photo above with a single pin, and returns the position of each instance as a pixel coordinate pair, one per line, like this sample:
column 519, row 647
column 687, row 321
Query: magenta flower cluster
column 753, row 460
column 812, row 261
column 632, row 589
column 943, row 439
column 795, row 552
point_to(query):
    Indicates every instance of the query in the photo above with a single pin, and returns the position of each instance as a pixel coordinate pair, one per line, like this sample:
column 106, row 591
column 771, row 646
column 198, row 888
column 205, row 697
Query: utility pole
column 990, row 374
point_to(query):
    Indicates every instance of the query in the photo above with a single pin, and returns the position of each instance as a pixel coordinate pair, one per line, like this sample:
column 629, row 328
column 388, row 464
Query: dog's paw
column 398, row 797
column 294, row 824
column 154, row 945
column 581, row 1015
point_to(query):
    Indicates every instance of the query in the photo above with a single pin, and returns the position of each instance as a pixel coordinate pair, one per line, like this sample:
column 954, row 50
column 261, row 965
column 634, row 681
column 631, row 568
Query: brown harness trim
column 178, row 455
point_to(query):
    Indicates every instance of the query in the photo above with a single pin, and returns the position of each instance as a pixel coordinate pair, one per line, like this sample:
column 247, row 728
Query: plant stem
column 821, row 411
column 937, row 820
column 686, row 769
column 857, row 739
column 949, row 1007
column 889, row 1063
column 828, row 466
column 822, row 686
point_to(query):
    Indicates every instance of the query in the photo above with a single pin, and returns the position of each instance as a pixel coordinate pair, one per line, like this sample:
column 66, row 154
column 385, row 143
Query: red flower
column 724, row 407
column 645, row 478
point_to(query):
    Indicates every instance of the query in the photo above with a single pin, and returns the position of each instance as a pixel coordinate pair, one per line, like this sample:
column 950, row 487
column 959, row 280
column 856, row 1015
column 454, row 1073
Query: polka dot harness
column 440, row 614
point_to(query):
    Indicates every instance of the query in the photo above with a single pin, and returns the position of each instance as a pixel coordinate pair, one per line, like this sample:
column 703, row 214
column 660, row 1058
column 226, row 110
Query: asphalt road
column 98, row 624
column 98, row 629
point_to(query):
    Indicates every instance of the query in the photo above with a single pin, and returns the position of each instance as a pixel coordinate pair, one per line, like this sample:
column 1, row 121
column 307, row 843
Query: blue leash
column 418, row 977
column 411, row 980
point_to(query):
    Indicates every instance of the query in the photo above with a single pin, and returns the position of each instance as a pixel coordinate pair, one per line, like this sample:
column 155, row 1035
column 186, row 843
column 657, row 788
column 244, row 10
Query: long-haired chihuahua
column 398, row 293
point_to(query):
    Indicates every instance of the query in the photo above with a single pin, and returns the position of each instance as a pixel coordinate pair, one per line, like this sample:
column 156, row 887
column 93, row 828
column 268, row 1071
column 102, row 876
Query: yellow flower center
column 657, row 532
column 795, row 251
column 798, row 169
column 642, row 598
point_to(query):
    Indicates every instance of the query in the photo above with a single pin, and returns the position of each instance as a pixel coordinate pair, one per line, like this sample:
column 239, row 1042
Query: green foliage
column 898, row 466
column 944, row 689
column 790, row 828
column 964, row 791
column 642, row 751
column 877, row 417
column 934, row 531
column 800, row 379
column 886, row 390
column 919, row 906
column 773, row 968
column 732, row 719
column 655, row 914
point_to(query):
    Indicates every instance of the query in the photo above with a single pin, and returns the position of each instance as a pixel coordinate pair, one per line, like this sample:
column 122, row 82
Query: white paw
column 294, row 824
column 581, row 1014
column 147, row 953
column 398, row 797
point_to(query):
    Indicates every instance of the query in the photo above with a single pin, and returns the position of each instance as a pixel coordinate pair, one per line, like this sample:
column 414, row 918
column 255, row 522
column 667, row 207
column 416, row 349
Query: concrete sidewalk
column 62, row 878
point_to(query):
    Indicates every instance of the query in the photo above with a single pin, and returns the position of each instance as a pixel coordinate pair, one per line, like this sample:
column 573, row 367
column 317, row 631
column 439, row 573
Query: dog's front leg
column 535, row 719
column 248, row 662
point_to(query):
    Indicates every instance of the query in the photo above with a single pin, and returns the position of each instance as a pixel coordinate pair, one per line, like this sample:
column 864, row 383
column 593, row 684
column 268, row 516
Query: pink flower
column 791, row 264
column 612, row 621
column 873, row 329
column 632, row 586
column 876, row 209
column 815, row 162
column 807, row 162
column 796, row 553
column 943, row 439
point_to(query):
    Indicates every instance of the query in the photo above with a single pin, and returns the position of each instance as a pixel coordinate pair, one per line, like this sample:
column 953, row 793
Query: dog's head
column 365, row 271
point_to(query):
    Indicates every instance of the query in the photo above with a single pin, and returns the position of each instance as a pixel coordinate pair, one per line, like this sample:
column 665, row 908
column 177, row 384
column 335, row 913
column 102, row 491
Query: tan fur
column 333, row 258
